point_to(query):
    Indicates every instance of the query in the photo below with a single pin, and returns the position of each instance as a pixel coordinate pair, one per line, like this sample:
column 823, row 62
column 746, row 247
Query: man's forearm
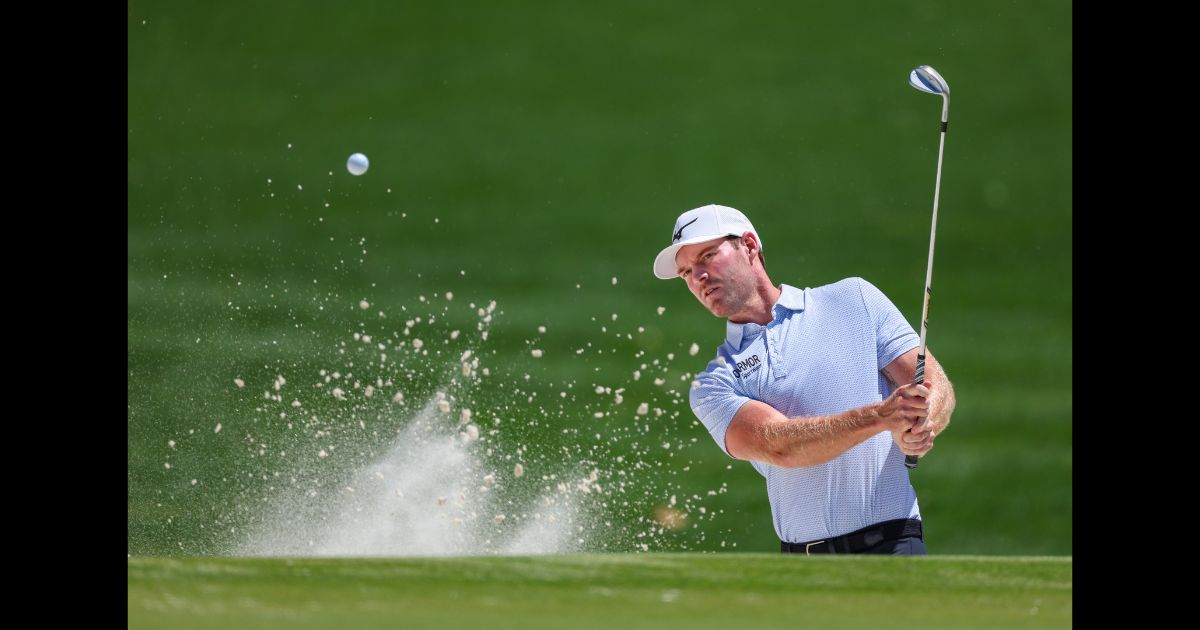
column 812, row 440
column 941, row 402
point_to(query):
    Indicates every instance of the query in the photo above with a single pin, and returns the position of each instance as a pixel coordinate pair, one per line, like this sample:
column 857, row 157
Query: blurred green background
column 529, row 153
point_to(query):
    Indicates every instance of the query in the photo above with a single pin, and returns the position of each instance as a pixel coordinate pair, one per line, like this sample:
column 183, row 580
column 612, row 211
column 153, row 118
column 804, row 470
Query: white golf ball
column 357, row 164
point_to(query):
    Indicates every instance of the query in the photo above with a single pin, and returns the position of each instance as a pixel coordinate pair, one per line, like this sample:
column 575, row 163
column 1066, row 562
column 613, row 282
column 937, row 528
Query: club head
column 926, row 79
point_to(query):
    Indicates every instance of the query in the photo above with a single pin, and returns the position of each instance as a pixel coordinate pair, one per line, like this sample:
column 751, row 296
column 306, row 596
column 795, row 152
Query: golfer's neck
column 759, row 309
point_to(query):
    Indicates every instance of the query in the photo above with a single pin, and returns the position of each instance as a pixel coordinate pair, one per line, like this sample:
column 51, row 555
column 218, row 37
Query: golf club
column 926, row 79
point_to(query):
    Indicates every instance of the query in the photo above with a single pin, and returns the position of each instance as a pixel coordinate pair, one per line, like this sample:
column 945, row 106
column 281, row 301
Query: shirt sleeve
column 715, row 399
column 893, row 334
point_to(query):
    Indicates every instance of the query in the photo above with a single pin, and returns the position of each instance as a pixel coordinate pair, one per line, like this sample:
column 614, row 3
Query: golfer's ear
column 750, row 242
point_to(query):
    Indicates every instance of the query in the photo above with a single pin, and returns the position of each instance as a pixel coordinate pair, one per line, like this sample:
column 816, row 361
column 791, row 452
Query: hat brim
column 665, row 267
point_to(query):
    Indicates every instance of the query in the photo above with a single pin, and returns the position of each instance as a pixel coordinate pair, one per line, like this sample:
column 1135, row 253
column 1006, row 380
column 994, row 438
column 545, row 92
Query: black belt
column 861, row 540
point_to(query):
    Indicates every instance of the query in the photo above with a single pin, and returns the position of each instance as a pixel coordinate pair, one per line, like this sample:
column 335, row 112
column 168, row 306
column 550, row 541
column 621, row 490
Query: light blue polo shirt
column 822, row 353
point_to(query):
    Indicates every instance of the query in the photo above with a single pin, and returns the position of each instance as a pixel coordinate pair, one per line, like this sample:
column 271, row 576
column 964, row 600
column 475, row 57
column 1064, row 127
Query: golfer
column 814, row 387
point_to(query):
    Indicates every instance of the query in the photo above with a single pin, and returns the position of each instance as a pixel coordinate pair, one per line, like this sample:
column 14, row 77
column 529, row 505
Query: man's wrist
column 873, row 417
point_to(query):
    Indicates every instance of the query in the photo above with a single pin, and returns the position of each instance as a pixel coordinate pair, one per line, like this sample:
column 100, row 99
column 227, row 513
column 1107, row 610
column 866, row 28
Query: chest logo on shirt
column 747, row 366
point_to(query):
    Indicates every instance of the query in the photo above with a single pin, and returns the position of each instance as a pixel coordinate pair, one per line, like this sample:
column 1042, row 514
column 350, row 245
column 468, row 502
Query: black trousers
column 902, row 537
column 909, row 546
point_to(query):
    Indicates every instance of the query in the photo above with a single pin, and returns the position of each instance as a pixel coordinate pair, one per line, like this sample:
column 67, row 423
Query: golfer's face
column 709, row 269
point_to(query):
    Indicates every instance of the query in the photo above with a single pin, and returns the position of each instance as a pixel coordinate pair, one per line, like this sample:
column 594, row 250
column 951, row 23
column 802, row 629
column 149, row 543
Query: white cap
column 697, row 226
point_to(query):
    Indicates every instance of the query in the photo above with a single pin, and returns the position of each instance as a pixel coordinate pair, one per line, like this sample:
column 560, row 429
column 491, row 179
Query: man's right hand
column 907, row 406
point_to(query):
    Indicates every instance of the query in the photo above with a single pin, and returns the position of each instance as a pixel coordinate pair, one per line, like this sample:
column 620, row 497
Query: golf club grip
column 910, row 461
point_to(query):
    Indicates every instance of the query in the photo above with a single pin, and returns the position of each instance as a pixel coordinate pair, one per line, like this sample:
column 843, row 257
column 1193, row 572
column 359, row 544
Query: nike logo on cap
column 679, row 233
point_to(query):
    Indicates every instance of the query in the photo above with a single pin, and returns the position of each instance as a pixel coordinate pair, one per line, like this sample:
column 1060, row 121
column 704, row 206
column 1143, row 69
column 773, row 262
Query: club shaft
column 937, row 191
column 911, row 460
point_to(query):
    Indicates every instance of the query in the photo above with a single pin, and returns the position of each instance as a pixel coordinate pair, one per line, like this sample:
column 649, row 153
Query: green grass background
column 602, row 591
column 528, row 153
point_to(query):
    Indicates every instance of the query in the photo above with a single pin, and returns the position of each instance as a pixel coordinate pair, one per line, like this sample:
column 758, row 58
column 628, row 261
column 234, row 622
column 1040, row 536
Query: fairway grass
column 602, row 591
